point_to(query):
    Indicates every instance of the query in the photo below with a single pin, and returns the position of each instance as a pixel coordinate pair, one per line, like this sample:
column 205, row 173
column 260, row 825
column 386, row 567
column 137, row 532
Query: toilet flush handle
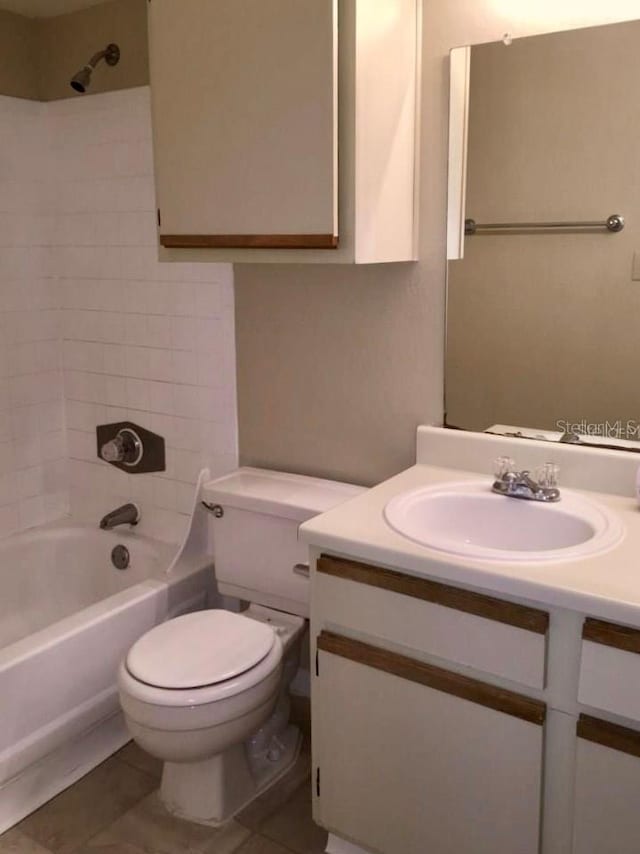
column 301, row 569
column 216, row 509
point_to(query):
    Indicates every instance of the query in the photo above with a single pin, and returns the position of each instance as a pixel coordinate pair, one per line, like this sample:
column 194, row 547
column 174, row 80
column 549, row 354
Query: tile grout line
column 259, row 830
column 87, row 841
column 258, row 834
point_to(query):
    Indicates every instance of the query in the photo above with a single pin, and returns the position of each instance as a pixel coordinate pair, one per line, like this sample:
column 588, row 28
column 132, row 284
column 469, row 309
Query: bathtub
column 67, row 618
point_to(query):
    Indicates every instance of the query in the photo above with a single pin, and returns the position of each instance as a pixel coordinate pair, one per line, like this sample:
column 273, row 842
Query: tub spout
column 128, row 514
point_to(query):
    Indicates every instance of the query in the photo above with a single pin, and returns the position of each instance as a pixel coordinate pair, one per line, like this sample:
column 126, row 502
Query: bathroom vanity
column 479, row 705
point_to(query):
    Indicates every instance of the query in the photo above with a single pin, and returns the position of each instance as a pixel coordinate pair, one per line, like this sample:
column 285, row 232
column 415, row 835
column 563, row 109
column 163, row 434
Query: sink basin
column 469, row 520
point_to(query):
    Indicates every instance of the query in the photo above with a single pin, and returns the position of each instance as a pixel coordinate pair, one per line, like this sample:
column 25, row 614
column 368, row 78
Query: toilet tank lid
column 289, row 496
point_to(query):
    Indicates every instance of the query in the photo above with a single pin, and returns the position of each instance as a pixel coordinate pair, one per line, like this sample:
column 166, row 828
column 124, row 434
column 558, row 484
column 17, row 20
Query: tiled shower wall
column 98, row 330
column 33, row 474
column 143, row 341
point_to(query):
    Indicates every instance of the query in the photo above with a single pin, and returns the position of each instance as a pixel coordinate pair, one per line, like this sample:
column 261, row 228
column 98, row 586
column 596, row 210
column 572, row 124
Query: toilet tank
column 254, row 535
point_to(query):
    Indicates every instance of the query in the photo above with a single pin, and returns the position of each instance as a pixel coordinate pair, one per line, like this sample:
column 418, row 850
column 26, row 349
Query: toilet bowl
column 208, row 693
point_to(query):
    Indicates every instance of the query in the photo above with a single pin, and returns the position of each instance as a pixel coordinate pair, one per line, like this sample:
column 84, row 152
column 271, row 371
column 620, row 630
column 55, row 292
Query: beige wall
column 39, row 56
column 18, row 75
column 544, row 328
column 337, row 367
column 333, row 368
column 67, row 42
column 376, row 333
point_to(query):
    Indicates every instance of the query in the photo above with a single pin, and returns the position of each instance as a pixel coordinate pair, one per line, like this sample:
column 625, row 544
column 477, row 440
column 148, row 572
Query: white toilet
column 208, row 692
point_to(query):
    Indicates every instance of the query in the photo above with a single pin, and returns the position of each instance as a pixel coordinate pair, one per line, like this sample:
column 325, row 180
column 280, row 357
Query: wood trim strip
column 446, row 681
column 520, row 616
column 249, row 241
column 609, row 735
column 611, row 634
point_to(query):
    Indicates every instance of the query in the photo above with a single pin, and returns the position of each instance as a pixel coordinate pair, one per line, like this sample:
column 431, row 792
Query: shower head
column 81, row 81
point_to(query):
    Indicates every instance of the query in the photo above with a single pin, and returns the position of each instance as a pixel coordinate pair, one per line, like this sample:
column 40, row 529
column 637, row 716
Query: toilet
column 208, row 692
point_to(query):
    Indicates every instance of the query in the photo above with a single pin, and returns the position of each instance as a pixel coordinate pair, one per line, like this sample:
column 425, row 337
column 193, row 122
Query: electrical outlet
column 635, row 267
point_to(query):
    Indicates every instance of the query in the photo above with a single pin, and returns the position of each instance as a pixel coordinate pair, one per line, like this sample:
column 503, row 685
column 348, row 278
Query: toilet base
column 211, row 792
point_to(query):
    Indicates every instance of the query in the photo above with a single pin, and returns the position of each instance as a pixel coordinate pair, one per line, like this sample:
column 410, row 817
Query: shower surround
column 104, row 332
column 93, row 329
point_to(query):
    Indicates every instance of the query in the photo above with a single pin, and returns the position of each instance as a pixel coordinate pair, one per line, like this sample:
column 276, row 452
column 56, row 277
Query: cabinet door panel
column 408, row 769
column 244, row 117
column 607, row 814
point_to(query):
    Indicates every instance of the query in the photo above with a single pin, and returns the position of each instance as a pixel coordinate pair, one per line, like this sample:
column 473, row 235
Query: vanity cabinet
column 413, row 755
column 449, row 720
column 607, row 794
column 284, row 130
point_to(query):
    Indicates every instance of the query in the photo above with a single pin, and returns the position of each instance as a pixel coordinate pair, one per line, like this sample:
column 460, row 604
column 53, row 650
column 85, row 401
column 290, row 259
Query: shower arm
column 110, row 54
column 95, row 59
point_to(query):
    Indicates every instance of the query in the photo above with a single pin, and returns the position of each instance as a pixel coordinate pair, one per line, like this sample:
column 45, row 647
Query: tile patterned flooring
column 116, row 810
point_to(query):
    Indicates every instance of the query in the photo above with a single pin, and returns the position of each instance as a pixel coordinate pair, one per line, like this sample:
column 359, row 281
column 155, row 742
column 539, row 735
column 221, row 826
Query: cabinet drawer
column 489, row 634
column 412, row 758
column 610, row 668
column 607, row 783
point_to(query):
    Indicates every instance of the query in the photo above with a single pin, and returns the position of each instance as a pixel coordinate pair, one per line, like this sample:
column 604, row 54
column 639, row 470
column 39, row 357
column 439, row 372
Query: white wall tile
column 93, row 328
column 31, row 389
column 143, row 340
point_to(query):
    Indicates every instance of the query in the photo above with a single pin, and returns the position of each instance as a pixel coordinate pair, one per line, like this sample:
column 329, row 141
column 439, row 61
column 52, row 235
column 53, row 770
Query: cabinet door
column 244, row 122
column 413, row 759
column 607, row 805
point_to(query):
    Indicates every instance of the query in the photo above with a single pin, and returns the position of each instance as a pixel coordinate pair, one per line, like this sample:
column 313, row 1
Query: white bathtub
column 67, row 617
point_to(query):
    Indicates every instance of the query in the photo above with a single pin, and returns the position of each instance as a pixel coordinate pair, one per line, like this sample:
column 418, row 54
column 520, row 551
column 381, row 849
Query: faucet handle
column 112, row 451
column 547, row 475
column 125, row 447
column 502, row 466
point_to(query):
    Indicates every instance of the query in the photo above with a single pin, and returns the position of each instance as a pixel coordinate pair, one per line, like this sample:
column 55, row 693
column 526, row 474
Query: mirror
column 543, row 312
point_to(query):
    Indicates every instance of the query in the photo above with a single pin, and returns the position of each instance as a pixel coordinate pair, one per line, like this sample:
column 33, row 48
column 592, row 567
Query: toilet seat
column 199, row 650
column 194, row 708
column 250, row 681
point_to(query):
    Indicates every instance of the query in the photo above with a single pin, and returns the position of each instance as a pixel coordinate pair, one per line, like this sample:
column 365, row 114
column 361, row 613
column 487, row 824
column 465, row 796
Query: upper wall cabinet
column 285, row 130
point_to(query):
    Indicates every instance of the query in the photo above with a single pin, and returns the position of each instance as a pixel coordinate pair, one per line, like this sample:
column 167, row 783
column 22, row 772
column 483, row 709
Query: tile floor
column 115, row 810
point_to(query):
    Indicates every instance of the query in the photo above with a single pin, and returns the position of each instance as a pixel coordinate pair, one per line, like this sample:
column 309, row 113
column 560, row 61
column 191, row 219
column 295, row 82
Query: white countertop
column 605, row 585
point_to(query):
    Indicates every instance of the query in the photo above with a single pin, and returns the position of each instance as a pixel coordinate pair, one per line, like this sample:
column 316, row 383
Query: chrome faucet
column 520, row 484
column 570, row 437
column 128, row 514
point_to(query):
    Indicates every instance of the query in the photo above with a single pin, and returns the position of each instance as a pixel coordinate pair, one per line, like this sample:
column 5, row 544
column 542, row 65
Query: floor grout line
column 305, row 782
column 87, row 841
column 113, row 757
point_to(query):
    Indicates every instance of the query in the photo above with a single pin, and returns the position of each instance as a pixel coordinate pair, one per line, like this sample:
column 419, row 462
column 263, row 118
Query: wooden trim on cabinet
column 446, row 681
column 249, row 241
column 520, row 616
column 611, row 634
column 609, row 735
